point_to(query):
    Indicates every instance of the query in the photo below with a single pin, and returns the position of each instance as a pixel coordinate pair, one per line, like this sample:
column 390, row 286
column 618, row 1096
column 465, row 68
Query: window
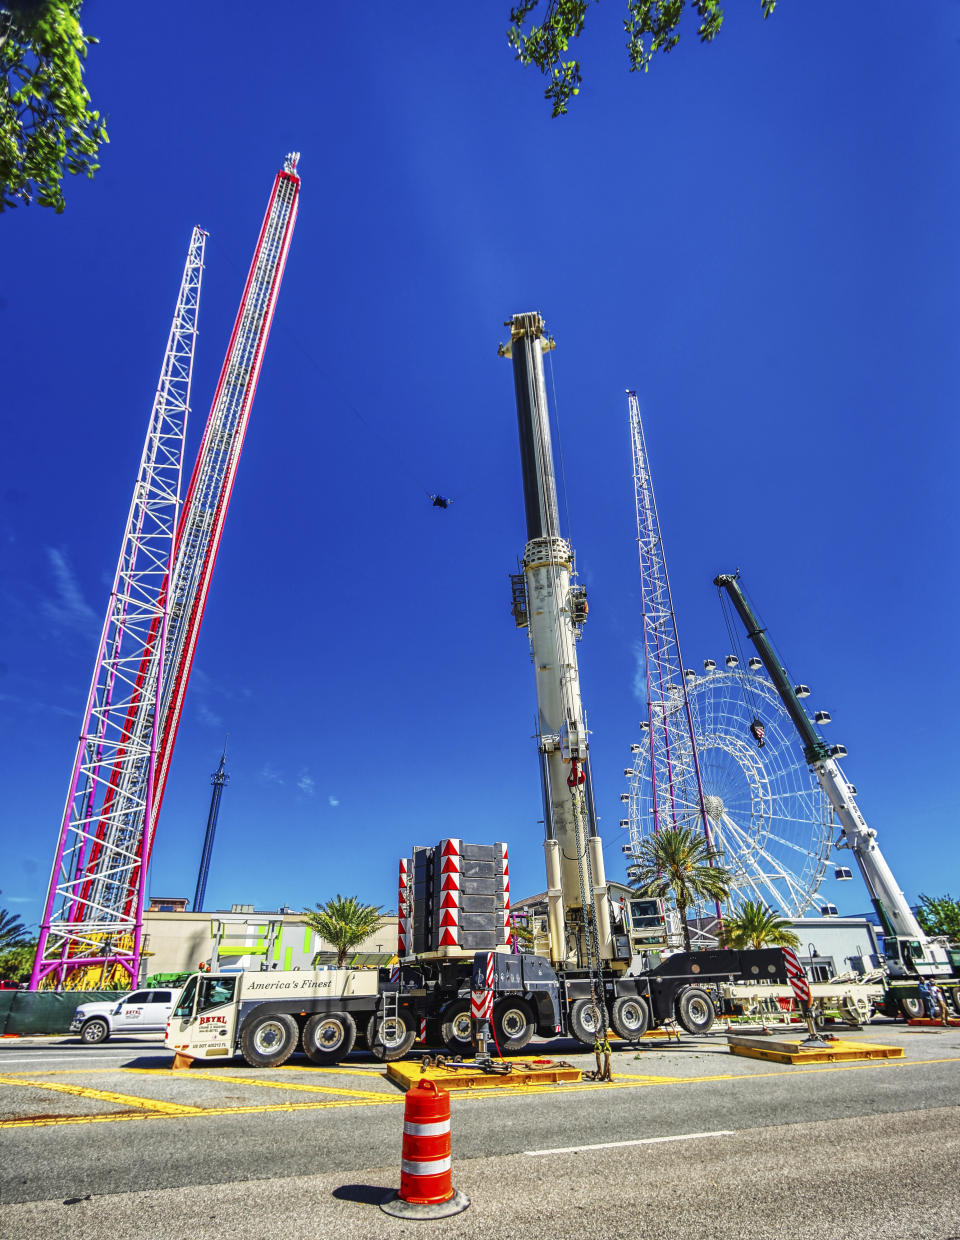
column 216, row 990
column 142, row 996
column 161, row 996
column 184, row 1006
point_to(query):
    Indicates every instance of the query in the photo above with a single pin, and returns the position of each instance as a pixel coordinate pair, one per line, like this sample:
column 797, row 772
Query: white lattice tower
column 112, row 783
column 676, row 793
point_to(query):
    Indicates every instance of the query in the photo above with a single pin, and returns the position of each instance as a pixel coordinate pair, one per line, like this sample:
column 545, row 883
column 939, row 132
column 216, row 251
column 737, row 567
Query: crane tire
column 695, row 1010
column 390, row 1038
column 586, row 1021
column 328, row 1037
column 912, row 1007
column 456, row 1027
column 630, row 1017
column 953, row 1000
column 269, row 1039
column 513, row 1024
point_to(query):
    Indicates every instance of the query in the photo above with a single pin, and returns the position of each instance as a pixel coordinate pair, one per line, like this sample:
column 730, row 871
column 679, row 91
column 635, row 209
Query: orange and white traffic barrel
column 426, row 1182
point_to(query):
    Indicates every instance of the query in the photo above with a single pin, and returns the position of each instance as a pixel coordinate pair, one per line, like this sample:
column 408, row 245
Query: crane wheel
column 911, row 1007
column 513, row 1024
column 586, row 1020
column 328, row 1037
column 630, row 1017
column 389, row 1037
column 269, row 1040
column 456, row 1027
column 695, row 1010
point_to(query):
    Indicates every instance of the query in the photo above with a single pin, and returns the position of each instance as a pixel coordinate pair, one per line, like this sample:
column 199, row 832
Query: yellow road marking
column 360, row 1098
column 104, row 1095
column 336, row 1071
column 261, row 1084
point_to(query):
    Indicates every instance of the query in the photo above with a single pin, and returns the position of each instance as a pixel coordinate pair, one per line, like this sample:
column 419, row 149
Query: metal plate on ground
column 407, row 1072
column 782, row 1051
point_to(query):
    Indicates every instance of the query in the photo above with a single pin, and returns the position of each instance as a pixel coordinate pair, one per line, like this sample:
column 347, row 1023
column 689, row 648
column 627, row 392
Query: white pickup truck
column 143, row 1011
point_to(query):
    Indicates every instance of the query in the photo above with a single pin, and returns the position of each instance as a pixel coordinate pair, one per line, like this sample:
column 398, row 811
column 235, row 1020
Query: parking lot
column 84, row 1131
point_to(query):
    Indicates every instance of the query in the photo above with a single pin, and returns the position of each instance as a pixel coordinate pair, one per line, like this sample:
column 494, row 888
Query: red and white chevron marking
column 507, row 933
column 796, row 976
column 403, row 909
column 449, row 927
column 481, row 1001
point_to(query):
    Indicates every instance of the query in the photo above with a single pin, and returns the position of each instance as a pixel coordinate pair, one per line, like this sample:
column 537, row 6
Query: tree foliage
column 651, row 26
column 344, row 922
column 678, row 861
column 16, row 963
column 46, row 125
column 940, row 915
column 754, row 925
column 12, row 932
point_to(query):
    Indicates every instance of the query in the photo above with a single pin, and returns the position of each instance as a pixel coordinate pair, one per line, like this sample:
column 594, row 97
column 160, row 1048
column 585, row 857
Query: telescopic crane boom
column 554, row 609
column 904, row 940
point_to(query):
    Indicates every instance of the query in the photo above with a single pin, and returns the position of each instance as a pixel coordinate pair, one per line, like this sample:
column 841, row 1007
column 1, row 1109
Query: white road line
column 615, row 1145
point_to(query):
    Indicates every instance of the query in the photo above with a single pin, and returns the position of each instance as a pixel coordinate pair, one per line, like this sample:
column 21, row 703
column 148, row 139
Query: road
column 696, row 1142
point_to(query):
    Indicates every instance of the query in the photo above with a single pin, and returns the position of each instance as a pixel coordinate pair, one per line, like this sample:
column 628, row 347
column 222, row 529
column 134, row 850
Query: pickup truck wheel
column 94, row 1030
column 585, row 1021
column 456, row 1027
column 513, row 1024
column 389, row 1037
column 630, row 1017
column 328, row 1037
column 912, row 1008
column 695, row 1010
column 269, row 1040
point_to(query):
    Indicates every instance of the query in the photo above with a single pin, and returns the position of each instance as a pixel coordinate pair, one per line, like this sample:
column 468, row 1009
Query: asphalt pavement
column 688, row 1141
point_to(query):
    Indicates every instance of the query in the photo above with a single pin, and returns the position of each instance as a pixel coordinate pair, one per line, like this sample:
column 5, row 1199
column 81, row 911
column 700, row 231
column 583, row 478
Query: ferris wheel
column 768, row 817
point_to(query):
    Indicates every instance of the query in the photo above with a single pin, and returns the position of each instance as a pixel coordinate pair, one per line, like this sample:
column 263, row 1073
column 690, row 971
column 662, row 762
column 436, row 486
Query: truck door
column 131, row 1013
column 204, row 1021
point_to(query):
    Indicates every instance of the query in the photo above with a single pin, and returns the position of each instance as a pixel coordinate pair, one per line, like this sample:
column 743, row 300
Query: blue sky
column 759, row 237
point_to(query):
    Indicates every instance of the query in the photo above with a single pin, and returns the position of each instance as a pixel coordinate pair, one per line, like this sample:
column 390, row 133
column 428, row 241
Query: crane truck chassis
column 266, row 1016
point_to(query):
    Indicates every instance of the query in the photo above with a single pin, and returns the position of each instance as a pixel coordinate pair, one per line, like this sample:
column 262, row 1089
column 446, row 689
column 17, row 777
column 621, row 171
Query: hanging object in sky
column 441, row 501
column 756, row 731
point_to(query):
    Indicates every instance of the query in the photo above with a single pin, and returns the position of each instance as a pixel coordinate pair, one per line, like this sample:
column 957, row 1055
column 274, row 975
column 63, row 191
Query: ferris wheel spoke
column 753, row 870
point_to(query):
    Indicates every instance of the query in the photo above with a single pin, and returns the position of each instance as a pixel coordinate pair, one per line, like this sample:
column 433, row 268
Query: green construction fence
column 46, row 1011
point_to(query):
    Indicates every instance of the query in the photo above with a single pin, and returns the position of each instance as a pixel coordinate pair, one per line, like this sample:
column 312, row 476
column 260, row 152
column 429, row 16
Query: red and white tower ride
column 94, row 910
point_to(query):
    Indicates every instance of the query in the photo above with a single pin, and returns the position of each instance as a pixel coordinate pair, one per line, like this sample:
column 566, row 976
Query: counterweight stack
column 553, row 609
column 114, row 892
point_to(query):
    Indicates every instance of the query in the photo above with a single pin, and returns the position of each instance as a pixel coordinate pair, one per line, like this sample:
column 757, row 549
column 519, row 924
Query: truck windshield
column 185, row 1002
column 216, row 990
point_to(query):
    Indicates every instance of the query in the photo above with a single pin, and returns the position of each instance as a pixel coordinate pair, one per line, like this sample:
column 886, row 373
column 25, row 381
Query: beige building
column 178, row 941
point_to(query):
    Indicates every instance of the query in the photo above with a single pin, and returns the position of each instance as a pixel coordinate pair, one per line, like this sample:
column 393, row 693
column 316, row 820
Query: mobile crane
column 600, row 972
column 909, row 953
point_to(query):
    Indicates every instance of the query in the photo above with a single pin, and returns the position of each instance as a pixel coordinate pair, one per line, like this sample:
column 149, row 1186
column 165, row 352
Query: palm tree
column 344, row 922
column 12, row 932
column 678, row 861
column 755, row 925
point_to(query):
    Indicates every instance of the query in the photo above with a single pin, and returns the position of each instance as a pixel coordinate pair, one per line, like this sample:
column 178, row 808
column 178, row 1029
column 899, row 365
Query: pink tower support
column 675, row 794
column 118, row 741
